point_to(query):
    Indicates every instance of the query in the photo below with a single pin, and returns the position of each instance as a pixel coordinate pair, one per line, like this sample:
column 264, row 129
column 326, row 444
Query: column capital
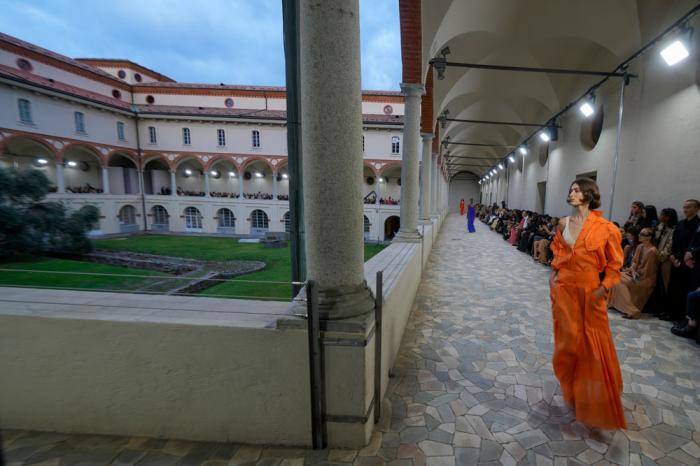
column 427, row 137
column 412, row 89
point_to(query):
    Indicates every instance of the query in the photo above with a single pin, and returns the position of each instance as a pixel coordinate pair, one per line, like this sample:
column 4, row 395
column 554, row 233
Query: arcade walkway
column 473, row 384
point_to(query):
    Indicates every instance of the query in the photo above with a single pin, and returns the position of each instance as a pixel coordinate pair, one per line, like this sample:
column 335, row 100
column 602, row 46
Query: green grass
column 89, row 282
column 277, row 260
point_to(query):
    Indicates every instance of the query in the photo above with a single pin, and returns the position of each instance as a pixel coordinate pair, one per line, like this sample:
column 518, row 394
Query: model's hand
column 599, row 292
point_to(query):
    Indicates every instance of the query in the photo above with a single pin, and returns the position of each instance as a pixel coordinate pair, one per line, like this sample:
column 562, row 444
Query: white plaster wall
column 659, row 154
column 377, row 108
column 378, row 144
column 462, row 189
column 195, row 101
column 200, row 382
column 55, row 117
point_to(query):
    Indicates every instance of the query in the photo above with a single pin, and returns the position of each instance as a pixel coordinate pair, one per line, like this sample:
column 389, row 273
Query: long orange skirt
column 585, row 361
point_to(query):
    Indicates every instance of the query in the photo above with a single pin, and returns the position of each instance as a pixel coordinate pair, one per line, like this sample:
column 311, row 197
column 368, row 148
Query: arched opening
column 283, row 182
column 193, row 219
column 257, row 181
column 224, row 179
column 127, row 219
column 367, row 226
column 259, row 222
column 370, row 186
column 287, row 222
column 390, row 186
column 123, row 175
column 83, row 171
column 26, row 153
column 391, row 227
column 156, row 177
column 225, row 221
column 189, row 176
column 160, row 220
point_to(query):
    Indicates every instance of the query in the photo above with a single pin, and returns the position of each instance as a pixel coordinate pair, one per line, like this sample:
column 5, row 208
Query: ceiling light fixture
column 523, row 150
column 675, row 53
column 544, row 136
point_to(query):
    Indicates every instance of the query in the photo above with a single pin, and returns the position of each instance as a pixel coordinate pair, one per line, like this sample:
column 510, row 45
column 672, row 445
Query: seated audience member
column 650, row 217
column 519, row 222
column 663, row 238
column 540, row 249
column 637, row 282
column 632, row 237
column 689, row 329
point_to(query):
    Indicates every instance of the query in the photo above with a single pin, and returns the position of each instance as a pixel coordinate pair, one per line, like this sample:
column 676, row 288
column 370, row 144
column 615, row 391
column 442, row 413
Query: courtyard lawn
column 88, row 282
column 277, row 261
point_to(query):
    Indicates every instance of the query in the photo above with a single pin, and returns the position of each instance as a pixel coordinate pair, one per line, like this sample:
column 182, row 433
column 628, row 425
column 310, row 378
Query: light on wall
column 72, row 163
column 258, row 175
column 188, row 172
column 500, row 166
column 587, row 109
column 214, row 173
column 512, row 160
column 544, row 136
column 674, row 53
column 42, row 161
column 285, row 176
column 523, row 150
column 232, row 174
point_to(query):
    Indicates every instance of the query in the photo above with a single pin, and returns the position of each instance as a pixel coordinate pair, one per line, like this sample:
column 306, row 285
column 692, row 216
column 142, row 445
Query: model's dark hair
column 590, row 191
column 672, row 216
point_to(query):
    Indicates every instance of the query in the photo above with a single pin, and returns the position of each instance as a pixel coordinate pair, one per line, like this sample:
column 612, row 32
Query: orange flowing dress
column 461, row 207
column 585, row 360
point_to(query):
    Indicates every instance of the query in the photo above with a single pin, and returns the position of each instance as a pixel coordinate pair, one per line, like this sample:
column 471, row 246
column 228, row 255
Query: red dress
column 585, row 360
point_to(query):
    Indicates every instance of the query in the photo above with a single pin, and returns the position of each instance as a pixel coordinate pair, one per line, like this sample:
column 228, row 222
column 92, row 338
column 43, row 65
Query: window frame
column 221, row 137
column 255, row 139
column 186, row 137
column 121, row 131
column 24, row 108
column 152, row 135
column 226, row 218
column 395, row 145
column 79, row 121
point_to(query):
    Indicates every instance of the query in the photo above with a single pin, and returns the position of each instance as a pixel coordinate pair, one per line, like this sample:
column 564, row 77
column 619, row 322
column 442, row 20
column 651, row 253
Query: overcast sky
column 205, row 41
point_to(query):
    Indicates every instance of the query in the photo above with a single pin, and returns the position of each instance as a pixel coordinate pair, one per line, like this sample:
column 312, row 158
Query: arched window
column 193, row 219
column 186, row 138
column 160, row 217
column 226, row 218
column 127, row 215
column 395, row 145
column 25, row 110
column 259, row 219
column 288, row 222
column 255, row 136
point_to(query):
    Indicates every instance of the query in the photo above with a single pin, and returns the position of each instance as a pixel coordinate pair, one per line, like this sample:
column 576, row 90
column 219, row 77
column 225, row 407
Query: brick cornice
column 411, row 40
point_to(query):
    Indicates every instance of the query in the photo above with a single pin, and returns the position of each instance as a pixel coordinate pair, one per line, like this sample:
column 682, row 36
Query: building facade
column 153, row 154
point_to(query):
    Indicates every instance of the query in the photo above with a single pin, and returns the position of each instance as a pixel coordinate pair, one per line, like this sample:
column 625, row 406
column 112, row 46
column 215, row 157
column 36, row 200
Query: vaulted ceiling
column 574, row 34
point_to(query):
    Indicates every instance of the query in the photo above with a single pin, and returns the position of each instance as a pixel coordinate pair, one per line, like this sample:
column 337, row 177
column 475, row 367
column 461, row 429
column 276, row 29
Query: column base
column 345, row 301
column 407, row 236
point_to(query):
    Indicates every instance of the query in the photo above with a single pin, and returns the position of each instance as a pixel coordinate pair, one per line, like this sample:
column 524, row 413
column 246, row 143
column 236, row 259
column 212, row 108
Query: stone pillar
column 60, row 180
column 173, row 183
column 434, row 186
column 241, row 177
column 206, row 184
column 409, row 163
column 332, row 158
column 142, row 184
column 274, row 187
column 379, row 191
column 105, row 180
column 427, row 161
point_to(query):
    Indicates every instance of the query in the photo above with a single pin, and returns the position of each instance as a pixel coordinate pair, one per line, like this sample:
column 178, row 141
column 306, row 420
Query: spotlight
column 512, row 160
column 544, row 136
column 232, row 174
column 587, row 109
column 214, row 173
column 285, row 176
column 258, row 175
column 500, row 166
column 381, row 180
column 188, row 172
column 675, row 53
column 523, row 150
column 72, row 163
column 42, row 161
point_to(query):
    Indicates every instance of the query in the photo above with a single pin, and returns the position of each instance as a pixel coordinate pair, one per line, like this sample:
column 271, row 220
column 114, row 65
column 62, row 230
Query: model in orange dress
column 461, row 207
column 586, row 247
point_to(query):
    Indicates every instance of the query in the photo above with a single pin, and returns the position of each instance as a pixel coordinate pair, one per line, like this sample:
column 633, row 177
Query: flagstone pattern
column 472, row 384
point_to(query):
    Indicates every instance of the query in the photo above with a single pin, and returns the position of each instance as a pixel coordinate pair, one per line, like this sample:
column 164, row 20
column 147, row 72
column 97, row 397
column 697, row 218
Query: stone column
column 60, row 180
column 409, row 163
column 274, row 187
column 426, row 162
column 332, row 158
column 105, row 180
column 206, row 184
column 434, row 186
column 173, row 183
column 379, row 191
column 142, row 184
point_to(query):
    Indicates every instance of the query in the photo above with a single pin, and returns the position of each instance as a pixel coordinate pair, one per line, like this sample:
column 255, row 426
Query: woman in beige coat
column 637, row 282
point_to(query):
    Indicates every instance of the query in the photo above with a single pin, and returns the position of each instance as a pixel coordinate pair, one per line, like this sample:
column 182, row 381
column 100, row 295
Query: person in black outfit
column 682, row 276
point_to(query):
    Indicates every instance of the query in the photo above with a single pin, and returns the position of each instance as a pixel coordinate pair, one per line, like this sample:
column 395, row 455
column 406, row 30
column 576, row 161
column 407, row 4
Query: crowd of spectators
column 87, row 189
column 389, row 201
column 661, row 269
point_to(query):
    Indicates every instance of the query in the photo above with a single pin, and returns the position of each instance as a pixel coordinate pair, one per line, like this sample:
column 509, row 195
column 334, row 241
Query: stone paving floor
column 473, row 384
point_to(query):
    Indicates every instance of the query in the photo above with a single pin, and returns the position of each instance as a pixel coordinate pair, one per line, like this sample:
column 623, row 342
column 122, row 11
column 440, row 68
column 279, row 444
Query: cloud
column 230, row 41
